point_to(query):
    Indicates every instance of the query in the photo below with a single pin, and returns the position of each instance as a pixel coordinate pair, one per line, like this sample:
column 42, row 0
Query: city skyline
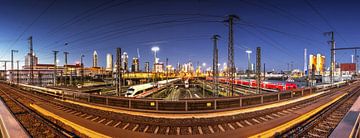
column 194, row 26
column 179, row 68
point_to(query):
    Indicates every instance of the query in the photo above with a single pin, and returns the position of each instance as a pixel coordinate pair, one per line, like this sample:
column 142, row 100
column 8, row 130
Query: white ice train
column 42, row 89
column 137, row 89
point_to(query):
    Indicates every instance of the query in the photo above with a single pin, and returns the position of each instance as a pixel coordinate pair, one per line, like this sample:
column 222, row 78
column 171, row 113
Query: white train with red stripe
column 264, row 84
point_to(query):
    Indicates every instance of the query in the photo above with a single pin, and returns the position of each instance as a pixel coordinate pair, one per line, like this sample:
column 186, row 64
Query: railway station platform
column 349, row 125
column 9, row 126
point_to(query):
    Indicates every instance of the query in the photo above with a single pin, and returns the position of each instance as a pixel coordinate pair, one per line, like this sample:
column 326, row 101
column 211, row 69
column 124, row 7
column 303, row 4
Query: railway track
column 322, row 124
column 35, row 124
column 193, row 126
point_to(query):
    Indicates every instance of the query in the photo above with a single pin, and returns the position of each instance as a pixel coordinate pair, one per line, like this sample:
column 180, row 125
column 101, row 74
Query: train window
column 130, row 91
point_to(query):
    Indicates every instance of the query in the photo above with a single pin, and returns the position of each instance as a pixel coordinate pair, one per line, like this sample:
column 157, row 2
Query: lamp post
column 249, row 63
column 155, row 49
column 204, row 66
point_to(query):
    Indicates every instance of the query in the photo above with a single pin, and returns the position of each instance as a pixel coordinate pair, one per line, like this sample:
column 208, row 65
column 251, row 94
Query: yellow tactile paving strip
column 196, row 115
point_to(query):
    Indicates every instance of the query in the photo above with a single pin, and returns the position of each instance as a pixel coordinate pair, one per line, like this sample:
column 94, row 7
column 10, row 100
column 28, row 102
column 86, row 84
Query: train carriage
column 265, row 85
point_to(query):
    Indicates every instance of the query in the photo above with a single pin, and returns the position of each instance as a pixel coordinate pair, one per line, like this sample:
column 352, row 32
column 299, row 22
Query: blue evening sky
column 181, row 28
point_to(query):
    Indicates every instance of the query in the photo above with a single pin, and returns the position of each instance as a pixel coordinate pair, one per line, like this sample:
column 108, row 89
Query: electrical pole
column 288, row 66
column 12, row 63
column 17, row 72
column 215, row 65
column 332, row 60
column 147, row 70
column 167, row 71
column 356, row 62
column 82, row 69
column 66, row 69
column 118, row 72
column 264, row 72
column 258, row 69
column 31, row 60
column 231, row 63
column 55, row 66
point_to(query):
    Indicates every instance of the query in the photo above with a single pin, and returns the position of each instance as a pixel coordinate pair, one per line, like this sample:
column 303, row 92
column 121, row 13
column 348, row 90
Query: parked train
column 137, row 89
column 42, row 89
column 264, row 85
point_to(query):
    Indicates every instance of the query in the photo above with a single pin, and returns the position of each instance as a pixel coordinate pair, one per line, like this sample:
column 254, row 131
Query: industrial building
column 109, row 62
column 316, row 64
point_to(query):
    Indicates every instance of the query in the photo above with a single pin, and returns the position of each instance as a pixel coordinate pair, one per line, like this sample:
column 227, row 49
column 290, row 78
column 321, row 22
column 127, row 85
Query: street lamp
column 204, row 66
column 155, row 49
column 249, row 62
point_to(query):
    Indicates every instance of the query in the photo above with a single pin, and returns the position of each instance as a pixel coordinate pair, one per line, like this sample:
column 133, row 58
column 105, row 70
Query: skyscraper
column 125, row 61
column 135, row 65
column 95, row 59
column 147, row 67
column 305, row 60
column 109, row 62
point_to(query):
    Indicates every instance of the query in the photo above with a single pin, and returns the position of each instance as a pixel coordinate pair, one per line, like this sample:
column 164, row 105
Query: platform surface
column 9, row 126
column 345, row 127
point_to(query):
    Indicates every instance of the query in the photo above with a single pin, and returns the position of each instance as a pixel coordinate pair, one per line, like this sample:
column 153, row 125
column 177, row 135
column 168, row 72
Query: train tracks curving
column 161, row 126
column 323, row 123
column 35, row 124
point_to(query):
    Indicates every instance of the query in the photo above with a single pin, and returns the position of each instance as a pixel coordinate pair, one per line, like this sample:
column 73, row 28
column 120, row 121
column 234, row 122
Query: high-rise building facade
column 95, row 59
column 147, row 67
column 125, row 61
column 305, row 60
column 317, row 63
column 109, row 62
column 135, row 67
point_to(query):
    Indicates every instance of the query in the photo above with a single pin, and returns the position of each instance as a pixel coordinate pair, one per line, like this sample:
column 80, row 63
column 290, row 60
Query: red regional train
column 280, row 86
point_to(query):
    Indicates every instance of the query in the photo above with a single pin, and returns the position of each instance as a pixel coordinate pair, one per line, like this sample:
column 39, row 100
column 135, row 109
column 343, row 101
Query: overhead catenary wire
column 87, row 13
column 327, row 23
column 292, row 35
column 111, row 34
column 286, row 14
column 128, row 20
column 138, row 43
column 29, row 26
column 324, row 19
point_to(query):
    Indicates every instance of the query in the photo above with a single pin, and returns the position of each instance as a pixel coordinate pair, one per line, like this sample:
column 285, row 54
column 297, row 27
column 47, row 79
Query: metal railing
column 189, row 105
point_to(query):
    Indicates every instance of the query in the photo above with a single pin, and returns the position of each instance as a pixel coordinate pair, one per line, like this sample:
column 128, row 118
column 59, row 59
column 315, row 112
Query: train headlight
column 208, row 104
